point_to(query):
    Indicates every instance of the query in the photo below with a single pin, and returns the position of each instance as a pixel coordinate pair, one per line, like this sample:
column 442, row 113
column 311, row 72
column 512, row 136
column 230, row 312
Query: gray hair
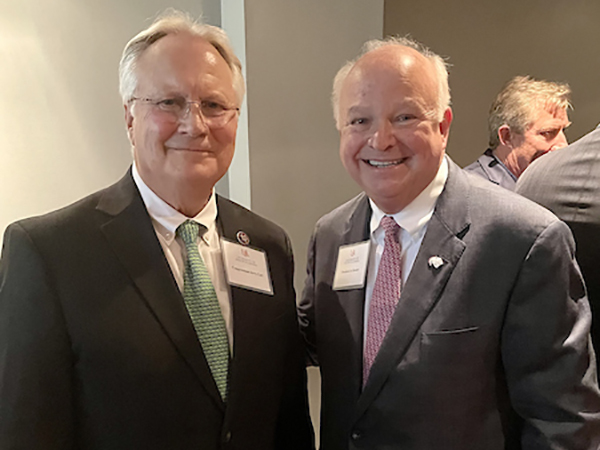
column 174, row 22
column 519, row 101
column 439, row 64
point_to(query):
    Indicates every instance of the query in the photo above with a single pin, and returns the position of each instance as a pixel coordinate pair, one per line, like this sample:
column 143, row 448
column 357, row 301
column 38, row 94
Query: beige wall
column 490, row 41
column 293, row 50
column 62, row 132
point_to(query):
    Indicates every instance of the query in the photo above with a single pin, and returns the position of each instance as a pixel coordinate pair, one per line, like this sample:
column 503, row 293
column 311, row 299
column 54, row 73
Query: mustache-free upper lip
column 189, row 149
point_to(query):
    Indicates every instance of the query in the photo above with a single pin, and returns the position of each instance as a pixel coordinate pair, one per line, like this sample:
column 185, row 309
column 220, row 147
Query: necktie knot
column 188, row 231
column 390, row 227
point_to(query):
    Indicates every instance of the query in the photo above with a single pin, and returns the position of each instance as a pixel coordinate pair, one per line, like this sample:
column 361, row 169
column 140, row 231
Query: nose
column 560, row 142
column 383, row 137
column 192, row 123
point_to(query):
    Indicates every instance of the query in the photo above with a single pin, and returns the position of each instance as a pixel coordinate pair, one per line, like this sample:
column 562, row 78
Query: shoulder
column 231, row 210
column 484, row 165
column 70, row 217
column 476, row 166
column 492, row 208
column 334, row 219
column 73, row 228
column 235, row 218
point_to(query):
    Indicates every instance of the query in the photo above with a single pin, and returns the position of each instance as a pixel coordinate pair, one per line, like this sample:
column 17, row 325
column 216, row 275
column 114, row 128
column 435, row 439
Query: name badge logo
column 351, row 266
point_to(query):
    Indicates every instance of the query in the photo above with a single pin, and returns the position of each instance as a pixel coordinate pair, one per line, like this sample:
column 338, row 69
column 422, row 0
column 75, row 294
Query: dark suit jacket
column 97, row 350
column 489, row 167
column 567, row 182
column 489, row 351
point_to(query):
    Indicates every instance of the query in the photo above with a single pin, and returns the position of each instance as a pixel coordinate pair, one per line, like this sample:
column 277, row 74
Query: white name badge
column 351, row 267
column 246, row 267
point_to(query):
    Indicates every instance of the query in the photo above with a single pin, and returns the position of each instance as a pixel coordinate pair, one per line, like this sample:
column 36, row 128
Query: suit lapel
column 131, row 235
column 352, row 301
column 252, row 312
column 425, row 284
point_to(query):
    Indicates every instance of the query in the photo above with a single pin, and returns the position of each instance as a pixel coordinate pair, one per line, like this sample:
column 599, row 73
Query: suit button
column 356, row 435
column 227, row 437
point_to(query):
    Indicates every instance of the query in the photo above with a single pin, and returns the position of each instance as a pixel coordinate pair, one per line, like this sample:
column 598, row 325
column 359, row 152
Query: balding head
column 401, row 49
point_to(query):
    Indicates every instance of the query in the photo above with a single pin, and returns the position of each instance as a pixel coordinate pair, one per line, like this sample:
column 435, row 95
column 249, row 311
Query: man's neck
column 185, row 196
column 187, row 203
column 507, row 157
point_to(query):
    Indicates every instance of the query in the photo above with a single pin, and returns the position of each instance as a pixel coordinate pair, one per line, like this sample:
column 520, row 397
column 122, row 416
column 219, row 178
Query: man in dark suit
column 527, row 120
column 120, row 325
column 567, row 182
column 444, row 312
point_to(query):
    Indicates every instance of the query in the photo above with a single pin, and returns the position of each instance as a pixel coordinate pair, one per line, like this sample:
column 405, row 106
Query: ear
column 505, row 136
column 129, row 121
column 445, row 125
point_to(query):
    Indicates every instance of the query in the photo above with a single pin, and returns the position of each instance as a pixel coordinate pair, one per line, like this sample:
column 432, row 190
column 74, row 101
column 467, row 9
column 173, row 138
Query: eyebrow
column 400, row 105
column 555, row 127
column 356, row 109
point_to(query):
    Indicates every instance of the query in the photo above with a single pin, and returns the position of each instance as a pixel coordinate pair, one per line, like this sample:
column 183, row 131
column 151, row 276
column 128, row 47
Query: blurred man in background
column 526, row 121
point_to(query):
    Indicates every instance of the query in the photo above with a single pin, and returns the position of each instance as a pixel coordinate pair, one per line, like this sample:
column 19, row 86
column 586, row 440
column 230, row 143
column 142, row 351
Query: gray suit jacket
column 97, row 350
column 567, row 182
column 489, row 167
column 489, row 351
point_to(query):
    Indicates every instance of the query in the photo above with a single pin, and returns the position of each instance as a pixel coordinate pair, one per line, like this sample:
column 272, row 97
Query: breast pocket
column 451, row 347
column 458, row 366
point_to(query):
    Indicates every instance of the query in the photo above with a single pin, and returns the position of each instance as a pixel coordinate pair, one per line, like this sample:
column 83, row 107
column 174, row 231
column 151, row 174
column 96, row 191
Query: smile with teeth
column 375, row 163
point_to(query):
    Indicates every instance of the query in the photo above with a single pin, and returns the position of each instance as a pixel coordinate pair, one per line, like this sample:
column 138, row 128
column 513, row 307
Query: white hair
column 174, row 22
column 440, row 67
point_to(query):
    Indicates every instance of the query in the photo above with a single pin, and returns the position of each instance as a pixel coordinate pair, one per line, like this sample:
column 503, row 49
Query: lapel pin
column 242, row 238
column 435, row 262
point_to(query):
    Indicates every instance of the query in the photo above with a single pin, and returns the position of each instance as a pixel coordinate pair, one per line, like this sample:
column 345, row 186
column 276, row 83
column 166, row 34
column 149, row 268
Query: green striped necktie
column 203, row 306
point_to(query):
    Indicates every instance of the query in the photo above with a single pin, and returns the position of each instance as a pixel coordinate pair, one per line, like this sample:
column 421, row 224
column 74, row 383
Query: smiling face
column 390, row 141
column 545, row 134
column 181, row 158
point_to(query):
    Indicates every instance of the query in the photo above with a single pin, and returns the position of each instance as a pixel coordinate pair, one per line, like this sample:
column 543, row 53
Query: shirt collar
column 418, row 212
column 166, row 219
column 489, row 152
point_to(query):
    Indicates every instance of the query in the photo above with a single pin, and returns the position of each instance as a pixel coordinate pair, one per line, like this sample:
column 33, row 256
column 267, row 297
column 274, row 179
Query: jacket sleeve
column 306, row 311
column 36, row 410
column 546, row 351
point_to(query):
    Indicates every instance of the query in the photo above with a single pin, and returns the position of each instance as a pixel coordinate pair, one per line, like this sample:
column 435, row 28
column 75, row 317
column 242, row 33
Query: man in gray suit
column 121, row 327
column 567, row 182
column 444, row 312
column 527, row 120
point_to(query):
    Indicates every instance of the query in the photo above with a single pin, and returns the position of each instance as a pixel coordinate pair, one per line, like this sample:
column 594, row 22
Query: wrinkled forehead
column 548, row 111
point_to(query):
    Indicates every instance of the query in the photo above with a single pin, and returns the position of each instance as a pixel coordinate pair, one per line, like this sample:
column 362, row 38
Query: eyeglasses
column 213, row 113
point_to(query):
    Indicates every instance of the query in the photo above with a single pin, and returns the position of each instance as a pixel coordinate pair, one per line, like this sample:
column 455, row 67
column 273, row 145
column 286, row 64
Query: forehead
column 390, row 74
column 183, row 59
column 547, row 116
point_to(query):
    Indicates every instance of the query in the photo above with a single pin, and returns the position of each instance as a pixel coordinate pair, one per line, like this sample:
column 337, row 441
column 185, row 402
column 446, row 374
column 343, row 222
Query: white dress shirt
column 413, row 220
column 165, row 220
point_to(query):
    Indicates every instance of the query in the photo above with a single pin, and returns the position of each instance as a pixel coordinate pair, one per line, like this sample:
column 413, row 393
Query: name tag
column 246, row 267
column 351, row 267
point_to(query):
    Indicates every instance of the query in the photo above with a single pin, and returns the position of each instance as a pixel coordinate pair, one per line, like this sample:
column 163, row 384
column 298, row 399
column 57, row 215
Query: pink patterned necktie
column 386, row 293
